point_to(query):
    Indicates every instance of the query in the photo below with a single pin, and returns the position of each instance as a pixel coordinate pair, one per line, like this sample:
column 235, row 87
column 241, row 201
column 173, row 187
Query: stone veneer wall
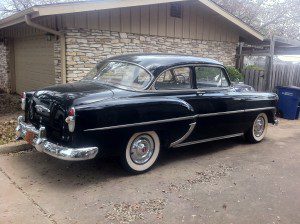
column 87, row 47
column 4, row 68
column 57, row 62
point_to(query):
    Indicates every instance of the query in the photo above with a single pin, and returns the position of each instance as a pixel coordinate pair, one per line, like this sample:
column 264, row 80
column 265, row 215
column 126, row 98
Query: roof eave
column 47, row 10
column 18, row 17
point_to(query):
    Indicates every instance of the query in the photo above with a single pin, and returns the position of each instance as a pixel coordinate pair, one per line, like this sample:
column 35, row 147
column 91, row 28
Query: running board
column 208, row 140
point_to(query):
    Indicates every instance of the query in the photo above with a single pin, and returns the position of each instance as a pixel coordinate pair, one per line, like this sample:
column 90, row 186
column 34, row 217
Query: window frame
column 152, row 78
column 224, row 71
column 171, row 70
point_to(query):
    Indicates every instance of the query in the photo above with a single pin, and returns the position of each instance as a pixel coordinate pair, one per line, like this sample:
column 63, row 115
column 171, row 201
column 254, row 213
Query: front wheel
column 258, row 130
column 141, row 152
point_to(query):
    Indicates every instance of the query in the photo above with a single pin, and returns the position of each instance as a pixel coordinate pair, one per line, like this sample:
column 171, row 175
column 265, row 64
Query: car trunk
column 49, row 107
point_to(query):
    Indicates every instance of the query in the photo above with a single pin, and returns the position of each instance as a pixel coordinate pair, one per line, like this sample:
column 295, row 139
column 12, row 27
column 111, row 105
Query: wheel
column 258, row 130
column 141, row 152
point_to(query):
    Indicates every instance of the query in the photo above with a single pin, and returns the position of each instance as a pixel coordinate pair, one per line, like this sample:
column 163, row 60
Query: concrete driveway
column 221, row 182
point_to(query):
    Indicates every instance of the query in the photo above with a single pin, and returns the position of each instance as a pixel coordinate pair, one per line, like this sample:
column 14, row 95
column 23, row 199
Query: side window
column 177, row 78
column 207, row 77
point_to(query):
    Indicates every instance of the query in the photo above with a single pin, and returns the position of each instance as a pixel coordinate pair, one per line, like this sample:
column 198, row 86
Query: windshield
column 120, row 74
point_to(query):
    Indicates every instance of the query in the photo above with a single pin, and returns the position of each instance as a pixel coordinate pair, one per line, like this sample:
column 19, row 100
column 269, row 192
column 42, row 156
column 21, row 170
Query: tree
column 280, row 17
column 8, row 7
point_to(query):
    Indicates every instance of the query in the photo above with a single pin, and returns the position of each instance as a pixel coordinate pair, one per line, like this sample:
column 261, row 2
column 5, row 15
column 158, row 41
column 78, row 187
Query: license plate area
column 29, row 137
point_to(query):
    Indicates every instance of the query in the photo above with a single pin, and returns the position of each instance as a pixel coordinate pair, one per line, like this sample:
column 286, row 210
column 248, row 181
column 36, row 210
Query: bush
column 234, row 74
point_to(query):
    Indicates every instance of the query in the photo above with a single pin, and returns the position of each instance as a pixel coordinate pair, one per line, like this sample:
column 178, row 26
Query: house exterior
column 60, row 43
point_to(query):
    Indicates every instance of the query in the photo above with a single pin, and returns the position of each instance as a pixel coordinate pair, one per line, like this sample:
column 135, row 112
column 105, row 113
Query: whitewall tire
column 141, row 152
column 259, row 129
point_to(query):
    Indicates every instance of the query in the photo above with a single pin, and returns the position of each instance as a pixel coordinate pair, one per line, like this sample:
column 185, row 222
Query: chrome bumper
column 276, row 121
column 41, row 143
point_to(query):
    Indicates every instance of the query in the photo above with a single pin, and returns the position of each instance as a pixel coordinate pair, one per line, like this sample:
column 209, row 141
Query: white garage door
column 34, row 65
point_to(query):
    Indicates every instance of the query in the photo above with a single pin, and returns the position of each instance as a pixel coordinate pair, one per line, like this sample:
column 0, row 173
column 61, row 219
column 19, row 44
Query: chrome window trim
column 180, row 119
column 185, row 136
column 224, row 73
column 152, row 86
column 125, row 87
column 208, row 140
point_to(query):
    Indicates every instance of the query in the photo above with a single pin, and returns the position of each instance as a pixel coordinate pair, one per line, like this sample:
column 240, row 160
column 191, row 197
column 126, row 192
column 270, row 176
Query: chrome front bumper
column 41, row 143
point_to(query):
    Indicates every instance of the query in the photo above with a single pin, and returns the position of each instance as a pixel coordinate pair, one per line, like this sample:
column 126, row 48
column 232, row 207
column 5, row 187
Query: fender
column 133, row 112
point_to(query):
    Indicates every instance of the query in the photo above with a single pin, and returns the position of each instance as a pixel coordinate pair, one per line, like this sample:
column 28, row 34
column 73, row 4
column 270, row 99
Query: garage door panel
column 34, row 63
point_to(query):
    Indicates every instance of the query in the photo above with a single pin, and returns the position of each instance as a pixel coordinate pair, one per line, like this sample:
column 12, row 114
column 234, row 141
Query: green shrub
column 234, row 74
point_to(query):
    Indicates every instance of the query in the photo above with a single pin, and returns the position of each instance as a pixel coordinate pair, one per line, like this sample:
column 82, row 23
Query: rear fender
column 120, row 118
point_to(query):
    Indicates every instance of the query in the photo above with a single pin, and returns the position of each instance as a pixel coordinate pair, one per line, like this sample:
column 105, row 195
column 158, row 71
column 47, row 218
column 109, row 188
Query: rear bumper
column 276, row 121
column 41, row 143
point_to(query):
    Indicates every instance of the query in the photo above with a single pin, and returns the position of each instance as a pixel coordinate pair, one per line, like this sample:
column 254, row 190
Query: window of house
column 207, row 77
column 176, row 10
column 173, row 79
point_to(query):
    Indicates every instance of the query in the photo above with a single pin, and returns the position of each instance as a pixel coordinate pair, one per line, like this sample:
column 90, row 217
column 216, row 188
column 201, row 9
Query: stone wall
column 57, row 62
column 87, row 47
column 4, row 68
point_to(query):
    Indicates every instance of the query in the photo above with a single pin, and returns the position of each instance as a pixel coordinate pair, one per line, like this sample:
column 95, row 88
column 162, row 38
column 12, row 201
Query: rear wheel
column 258, row 130
column 141, row 152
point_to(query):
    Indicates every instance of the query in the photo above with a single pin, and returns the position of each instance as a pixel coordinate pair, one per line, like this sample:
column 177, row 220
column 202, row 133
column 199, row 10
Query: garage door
column 34, row 65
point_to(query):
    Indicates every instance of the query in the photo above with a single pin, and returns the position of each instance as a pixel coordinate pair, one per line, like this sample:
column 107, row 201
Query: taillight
column 70, row 120
column 71, row 112
column 23, row 100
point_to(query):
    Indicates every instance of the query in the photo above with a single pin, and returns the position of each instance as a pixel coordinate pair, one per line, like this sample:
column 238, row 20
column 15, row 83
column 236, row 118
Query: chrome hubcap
column 259, row 126
column 142, row 149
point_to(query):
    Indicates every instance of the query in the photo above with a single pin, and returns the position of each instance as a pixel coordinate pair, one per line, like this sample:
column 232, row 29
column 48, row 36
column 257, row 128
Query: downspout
column 62, row 39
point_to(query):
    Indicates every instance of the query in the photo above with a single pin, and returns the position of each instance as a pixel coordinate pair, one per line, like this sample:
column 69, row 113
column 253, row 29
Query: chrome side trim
column 178, row 119
column 208, row 140
column 144, row 123
column 235, row 112
column 185, row 136
column 262, row 108
column 221, row 113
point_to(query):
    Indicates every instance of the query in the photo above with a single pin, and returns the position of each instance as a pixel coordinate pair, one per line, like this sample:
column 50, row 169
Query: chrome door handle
column 201, row 92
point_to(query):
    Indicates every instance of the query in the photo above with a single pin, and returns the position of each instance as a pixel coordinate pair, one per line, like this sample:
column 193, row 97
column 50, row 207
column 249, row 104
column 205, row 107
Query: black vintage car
column 133, row 106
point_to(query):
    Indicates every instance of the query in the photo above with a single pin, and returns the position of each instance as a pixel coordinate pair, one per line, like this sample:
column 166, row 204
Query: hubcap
column 142, row 149
column 259, row 126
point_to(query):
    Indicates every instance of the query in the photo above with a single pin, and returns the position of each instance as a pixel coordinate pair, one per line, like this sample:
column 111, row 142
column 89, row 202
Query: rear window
column 121, row 74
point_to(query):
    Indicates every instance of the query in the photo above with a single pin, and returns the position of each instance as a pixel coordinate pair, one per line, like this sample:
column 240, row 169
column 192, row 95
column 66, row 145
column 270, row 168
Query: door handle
column 201, row 92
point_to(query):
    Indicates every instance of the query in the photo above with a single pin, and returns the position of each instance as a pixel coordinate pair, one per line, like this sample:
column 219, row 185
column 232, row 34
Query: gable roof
column 64, row 8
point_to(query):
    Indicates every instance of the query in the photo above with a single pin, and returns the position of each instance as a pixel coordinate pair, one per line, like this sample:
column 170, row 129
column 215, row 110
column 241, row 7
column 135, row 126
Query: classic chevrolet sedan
column 134, row 106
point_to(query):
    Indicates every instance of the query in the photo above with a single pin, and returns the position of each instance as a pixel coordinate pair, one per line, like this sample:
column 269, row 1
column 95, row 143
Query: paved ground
column 222, row 182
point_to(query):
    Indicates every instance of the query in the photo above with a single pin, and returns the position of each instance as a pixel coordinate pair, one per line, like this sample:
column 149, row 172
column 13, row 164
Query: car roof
column 156, row 63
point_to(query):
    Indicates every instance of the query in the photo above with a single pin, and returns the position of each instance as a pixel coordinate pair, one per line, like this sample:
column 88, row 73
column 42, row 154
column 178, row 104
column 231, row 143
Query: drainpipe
column 62, row 39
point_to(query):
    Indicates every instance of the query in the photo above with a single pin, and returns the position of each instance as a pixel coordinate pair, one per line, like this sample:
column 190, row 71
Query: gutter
column 62, row 39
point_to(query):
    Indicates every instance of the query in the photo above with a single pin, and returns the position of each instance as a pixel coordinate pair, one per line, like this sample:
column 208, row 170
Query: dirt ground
column 222, row 182
column 10, row 109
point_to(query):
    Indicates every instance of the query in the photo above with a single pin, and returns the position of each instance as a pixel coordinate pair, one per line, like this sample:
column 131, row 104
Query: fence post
column 240, row 58
column 270, row 65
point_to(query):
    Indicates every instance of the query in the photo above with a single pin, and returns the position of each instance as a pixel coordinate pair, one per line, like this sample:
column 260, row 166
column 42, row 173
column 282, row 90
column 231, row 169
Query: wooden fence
column 283, row 75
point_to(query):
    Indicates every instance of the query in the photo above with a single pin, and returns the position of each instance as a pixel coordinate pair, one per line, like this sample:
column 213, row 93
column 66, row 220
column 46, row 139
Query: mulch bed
column 9, row 111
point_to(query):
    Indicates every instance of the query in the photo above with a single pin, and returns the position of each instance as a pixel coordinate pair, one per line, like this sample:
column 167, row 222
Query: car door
column 220, row 109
